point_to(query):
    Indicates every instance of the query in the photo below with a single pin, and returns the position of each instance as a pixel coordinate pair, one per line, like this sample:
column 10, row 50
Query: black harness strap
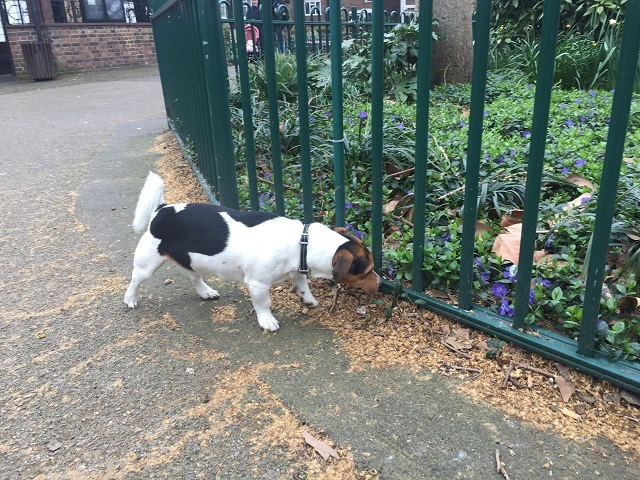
column 304, row 241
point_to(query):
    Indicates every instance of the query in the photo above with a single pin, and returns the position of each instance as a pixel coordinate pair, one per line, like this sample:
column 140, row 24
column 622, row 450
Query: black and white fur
column 257, row 248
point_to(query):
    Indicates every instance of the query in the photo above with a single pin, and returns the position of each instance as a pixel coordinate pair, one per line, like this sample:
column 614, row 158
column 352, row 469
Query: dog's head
column 353, row 265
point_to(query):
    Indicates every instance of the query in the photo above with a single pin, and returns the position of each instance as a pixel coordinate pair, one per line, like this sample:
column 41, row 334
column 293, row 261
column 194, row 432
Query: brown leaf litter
column 547, row 395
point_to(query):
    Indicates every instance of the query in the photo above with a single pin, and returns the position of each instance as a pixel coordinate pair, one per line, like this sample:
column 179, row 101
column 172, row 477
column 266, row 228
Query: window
column 311, row 5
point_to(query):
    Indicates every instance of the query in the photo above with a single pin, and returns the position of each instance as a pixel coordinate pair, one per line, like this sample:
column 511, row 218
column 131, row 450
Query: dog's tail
column 150, row 199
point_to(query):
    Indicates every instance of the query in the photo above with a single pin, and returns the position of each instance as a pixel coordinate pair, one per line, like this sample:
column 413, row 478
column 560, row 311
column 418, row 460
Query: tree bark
column 452, row 59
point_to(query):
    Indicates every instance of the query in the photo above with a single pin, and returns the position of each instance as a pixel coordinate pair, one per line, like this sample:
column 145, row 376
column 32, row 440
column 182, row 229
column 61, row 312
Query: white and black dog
column 257, row 248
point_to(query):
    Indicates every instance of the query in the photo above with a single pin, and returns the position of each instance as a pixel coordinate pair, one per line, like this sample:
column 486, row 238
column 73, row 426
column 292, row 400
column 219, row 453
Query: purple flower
column 592, row 93
column 392, row 117
column 583, row 118
column 579, row 162
column 563, row 106
column 500, row 160
column 549, row 241
column 358, row 234
column 485, row 276
column 409, row 192
column 487, row 156
column 267, row 175
column 401, row 126
column 461, row 123
column 532, row 297
column 499, row 289
column 312, row 119
column 569, row 123
column 526, row 134
column 578, row 101
column 446, row 237
column 348, row 205
column 585, row 199
column 479, row 263
column 511, row 273
column 529, row 86
column 505, row 308
column 565, row 171
column 326, row 115
column 391, row 270
column 486, row 113
column 363, row 114
column 350, row 119
column 544, row 282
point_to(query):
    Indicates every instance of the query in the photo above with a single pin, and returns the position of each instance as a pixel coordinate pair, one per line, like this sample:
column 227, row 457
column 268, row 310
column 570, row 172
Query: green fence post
column 337, row 112
column 476, row 117
column 610, row 176
column 544, row 85
column 422, row 140
column 247, row 109
column 377, row 82
column 272, row 97
column 215, row 68
column 303, row 113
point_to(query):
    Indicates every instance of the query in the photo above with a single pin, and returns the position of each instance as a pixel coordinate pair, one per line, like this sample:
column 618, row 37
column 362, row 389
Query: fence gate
column 195, row 48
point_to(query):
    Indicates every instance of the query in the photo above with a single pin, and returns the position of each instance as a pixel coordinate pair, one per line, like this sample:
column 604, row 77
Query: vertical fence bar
column 544, row 85
column 337, row 106
column 377, row 83
column 247, row 109
column 272, row 96
column 303, row 111
column 625, row 78
column 215, row 68
column 422, row 140
column 476, row 117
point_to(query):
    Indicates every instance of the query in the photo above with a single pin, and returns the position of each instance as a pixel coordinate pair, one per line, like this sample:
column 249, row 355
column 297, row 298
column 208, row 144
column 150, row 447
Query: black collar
column 304, row 241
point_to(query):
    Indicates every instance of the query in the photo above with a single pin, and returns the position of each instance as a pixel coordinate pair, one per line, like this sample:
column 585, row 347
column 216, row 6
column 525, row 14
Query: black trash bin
column 39, row 60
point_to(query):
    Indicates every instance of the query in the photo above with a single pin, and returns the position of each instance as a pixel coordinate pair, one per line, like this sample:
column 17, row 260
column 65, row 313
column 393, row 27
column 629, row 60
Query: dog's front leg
column 301, row 284
column 259, row 293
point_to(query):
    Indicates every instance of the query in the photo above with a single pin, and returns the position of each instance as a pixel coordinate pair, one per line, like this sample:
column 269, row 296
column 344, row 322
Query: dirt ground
column 546, row 394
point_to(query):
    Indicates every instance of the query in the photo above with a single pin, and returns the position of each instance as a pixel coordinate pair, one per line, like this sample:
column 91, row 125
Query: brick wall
column 79, row 47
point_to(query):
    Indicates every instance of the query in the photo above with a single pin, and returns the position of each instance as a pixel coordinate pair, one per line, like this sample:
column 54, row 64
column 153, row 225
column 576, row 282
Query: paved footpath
column 89, row 389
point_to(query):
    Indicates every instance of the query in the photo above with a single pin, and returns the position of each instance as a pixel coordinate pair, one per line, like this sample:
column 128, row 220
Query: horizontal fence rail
column 203, row 55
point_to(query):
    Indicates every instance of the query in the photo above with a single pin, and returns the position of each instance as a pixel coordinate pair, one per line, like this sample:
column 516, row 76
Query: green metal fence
column 190, row 40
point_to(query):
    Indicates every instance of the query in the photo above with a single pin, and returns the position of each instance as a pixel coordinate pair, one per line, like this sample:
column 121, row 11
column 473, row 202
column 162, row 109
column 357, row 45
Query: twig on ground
column 499, row 466
column 507, row 375
column 286, row 187
column 403, row 220
column 465, row 369
column 534, row 369
column 455, row 350
column 396, row 174
column 637, row 420
column 334, row 303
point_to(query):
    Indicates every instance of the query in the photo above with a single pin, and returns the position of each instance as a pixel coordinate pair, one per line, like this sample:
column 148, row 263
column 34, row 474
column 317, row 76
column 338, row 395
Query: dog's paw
column 270, row 324
column 312, row 302
column 208, row 293
column 130, row 301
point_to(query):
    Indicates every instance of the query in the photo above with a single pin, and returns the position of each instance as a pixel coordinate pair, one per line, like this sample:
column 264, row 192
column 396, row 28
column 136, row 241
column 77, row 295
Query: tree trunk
column 452, row 59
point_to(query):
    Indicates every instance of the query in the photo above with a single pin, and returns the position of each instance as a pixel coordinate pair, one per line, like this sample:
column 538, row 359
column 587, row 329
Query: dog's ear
column 342, row 261
column 340, row 230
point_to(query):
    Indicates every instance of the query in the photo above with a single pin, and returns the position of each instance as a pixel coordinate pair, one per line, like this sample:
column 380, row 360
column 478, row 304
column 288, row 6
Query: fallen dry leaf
column 630, row 397
column 324, row 450
column 511, row 218
column 579, row 181
column 628, row 304
column 566, row 387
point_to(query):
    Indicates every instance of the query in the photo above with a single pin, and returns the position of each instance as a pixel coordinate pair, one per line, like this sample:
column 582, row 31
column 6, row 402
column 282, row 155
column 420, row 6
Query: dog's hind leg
column 301, row 284
column 204, row 290
column 145, row 262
